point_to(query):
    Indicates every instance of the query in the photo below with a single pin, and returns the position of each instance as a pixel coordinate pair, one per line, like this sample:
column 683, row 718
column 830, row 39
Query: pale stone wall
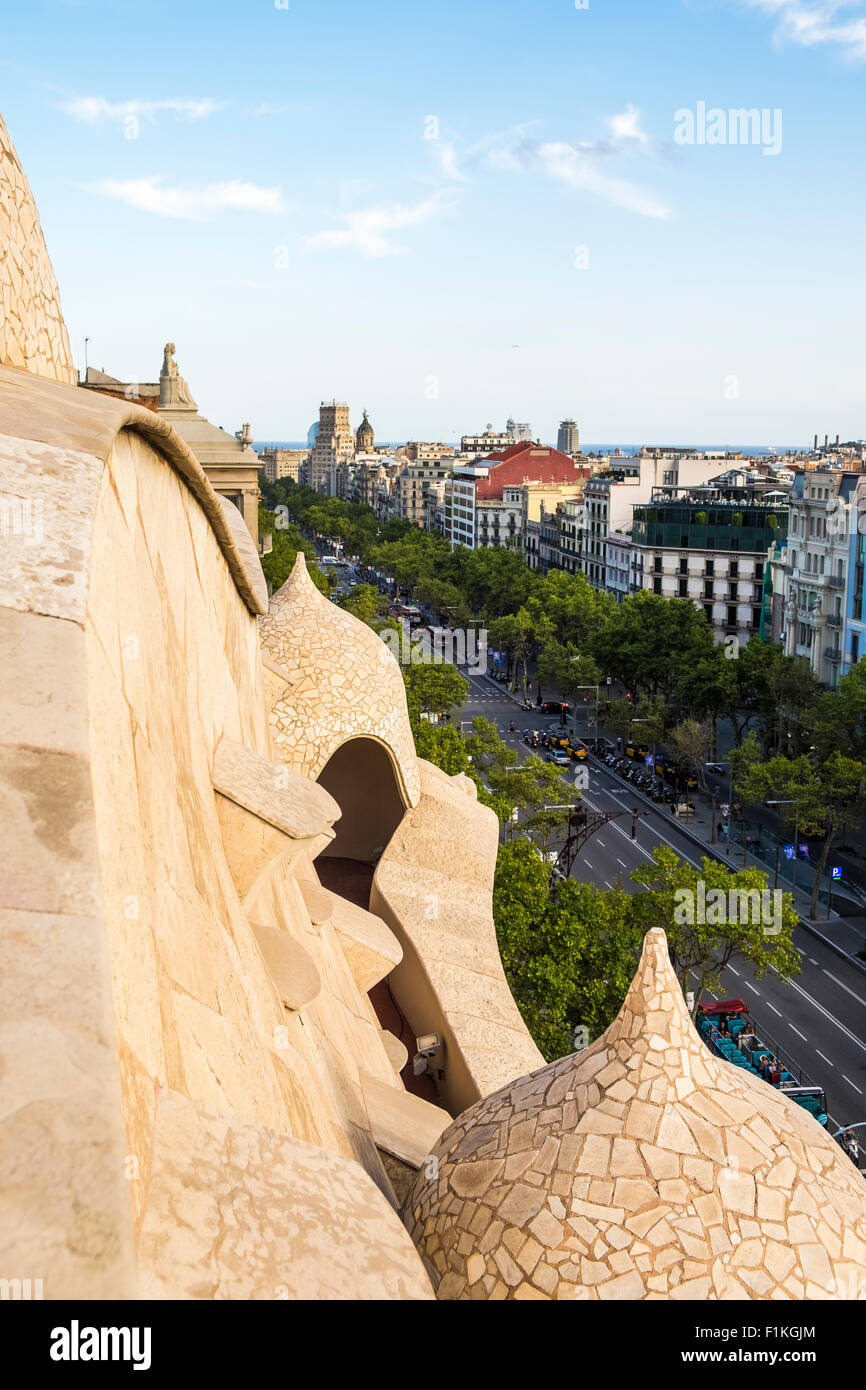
column 32, row 332
column 164, row 937
column 340, row 681
column 433, row 885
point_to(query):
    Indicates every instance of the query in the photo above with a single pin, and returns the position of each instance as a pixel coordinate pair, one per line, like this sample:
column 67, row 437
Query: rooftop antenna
column 86, row 341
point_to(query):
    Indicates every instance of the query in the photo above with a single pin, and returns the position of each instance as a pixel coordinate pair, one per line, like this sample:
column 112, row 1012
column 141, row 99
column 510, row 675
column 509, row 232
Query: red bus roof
column 725, row 1006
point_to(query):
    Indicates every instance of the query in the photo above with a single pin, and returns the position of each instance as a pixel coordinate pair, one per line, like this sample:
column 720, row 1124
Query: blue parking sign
column 836, row 871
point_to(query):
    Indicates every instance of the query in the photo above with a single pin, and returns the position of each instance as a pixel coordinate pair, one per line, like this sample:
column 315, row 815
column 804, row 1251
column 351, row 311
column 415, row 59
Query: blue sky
column 449, row 211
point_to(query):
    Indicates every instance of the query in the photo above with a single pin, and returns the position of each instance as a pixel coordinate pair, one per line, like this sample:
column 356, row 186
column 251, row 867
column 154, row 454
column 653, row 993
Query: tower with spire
column 364, row 438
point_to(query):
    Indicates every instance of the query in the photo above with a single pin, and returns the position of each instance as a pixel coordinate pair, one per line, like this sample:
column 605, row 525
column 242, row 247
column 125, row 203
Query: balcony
column 834, row 620
column 835, row 581
column 831, row 654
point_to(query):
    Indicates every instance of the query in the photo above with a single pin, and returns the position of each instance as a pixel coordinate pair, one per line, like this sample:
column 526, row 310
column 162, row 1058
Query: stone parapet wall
column 32, row 332
column 433, row 886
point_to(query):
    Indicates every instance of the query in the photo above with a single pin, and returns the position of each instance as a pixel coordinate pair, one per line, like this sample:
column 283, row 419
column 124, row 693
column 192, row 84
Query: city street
column 818, row 1021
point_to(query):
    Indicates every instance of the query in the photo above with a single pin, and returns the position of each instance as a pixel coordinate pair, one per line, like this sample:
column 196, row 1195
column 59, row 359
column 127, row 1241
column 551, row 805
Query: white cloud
column 276, row 108
column 626, row 126
column 810, row 23
column 448, row 161
column 96, row 110
column 190, row 204
column 368, row 230
column 571, row 165
column 586, row 165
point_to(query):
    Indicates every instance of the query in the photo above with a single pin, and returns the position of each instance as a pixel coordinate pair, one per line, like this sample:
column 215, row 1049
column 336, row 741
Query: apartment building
column 610, row 497
column 417, row 452
column 618, row 563
column 414, row 485
column 821, row 550
column 283, row 463
column 492, row 501
column 474, row 446
column 854, row 637
column 710, row 543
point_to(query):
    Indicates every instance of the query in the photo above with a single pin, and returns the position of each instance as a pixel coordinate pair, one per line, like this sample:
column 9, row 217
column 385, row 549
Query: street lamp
column 586, row 687
column 650, row 721
column 778, row 841
column 726, row 762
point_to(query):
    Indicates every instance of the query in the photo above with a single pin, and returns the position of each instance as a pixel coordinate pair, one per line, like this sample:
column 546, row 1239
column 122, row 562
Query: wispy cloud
column 811, row 23
column 569, row 164
column 277, row 108
column 369, row 230
column 98, row 111
column 586, row 164
column 190, row 204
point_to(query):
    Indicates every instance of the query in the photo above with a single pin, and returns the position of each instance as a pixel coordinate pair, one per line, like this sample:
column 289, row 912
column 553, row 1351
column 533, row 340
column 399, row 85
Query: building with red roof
column 489, row 501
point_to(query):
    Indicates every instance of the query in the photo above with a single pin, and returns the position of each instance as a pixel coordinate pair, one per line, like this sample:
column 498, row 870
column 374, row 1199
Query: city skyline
column 596, row 229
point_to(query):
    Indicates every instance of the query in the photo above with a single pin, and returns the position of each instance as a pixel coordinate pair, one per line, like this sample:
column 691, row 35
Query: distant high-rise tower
column 334, row 445
column 568, row 438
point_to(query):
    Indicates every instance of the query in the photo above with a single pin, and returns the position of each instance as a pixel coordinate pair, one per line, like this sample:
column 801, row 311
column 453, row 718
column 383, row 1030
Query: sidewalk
column 844, row 935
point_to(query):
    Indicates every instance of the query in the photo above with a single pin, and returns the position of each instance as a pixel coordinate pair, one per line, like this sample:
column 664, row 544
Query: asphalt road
column 817, row 1021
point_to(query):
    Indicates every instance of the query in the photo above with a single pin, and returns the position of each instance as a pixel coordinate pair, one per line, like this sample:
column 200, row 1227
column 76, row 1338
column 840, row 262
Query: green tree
column 651, row 642
column 433, row 688
column 278, row 564
column 838, row 718
column 701, row 951
column 569, row 673
column 569, row 951
column 825, row 797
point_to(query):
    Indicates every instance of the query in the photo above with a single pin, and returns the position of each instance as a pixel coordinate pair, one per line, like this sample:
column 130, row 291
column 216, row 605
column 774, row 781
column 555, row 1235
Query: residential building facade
column 819, row 561
column 709, row 544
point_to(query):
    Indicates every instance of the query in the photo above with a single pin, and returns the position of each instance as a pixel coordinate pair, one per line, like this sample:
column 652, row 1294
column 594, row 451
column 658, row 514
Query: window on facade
column 657, row 586
column 735, row 569
column 711, row 567
column 708, row 609
column 683, row 588
column 657, row 564
column 684, row 564
column 732, row 615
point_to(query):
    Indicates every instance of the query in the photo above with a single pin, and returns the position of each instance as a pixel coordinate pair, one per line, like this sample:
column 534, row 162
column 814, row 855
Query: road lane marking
column 600, row 844
column 755, row 991
column 588, row 865
column 797, row 1031
column 734, row 972
column 845, row 987
column 823, row 1058
column 608, row 885
column 851, row 1083
column 775, row 1010
column 826, row 1012
column 622, row 861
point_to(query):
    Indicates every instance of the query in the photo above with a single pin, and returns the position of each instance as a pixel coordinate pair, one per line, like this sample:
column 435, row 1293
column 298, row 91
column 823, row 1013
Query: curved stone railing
column 433, row 887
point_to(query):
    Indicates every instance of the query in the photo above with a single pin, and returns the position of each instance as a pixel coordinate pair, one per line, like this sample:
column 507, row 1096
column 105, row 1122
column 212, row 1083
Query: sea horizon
column 628, row 450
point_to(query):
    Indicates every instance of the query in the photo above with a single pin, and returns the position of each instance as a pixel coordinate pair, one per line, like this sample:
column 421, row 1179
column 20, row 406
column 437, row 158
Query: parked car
column 554, row 707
